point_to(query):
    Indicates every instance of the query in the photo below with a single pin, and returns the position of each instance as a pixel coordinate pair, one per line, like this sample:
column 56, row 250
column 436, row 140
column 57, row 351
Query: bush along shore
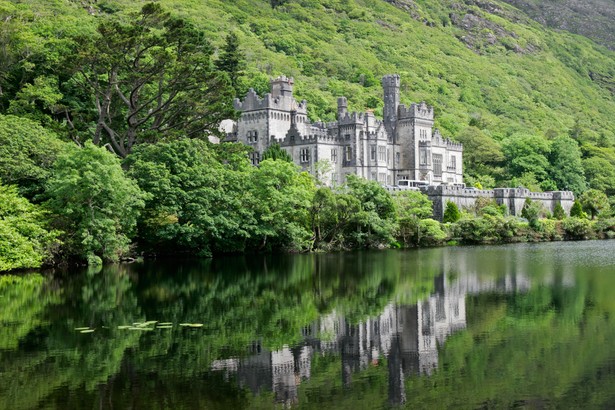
column 62, row 204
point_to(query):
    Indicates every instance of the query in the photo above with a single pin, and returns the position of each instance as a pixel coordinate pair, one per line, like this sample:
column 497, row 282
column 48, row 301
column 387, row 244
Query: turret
column 342, row 107
column 390, row 86
column 282, row 87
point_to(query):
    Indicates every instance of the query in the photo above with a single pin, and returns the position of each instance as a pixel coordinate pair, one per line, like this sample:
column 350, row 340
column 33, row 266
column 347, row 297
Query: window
column 373, row 152
column 382, row 177
column 255, row 158
column 348, row 153
column 334, row 179
column 397, row 157
column 334, row 155
column 305, row 155
column 374, row 177
column 423, row 156
column 252, row 136
column 382, row 154
column 437, row 165
column 453, row 163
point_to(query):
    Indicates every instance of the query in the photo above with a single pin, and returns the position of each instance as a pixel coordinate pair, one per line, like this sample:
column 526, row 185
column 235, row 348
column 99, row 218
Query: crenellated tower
column 390, row 86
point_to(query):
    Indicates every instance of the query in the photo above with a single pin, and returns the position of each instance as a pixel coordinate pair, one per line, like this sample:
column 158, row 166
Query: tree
column 577, row 210
column 482, row 154
column 600, row 173
column 566, row 165
column 532, row 211
column 594, row 202
column 198, row 201
column 527, row 154
column 558, row 212
column 276, row 153
column 152, row 78
column 27, row 153
column 281, row 198
column 375, row 223
column 411, row 207
column 93, row 203
column 25, row 240
column 451, row 213
column 232, row 62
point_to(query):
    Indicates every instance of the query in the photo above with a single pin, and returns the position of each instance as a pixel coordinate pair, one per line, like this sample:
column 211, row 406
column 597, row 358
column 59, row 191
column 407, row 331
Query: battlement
column 352, row 118
column 420, row 110
column 391, row 80
column 252, row 102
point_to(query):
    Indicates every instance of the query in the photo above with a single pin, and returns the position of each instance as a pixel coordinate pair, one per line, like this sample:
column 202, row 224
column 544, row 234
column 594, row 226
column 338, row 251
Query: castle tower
column 282, row 87
column 390, row 85
column 342, row 107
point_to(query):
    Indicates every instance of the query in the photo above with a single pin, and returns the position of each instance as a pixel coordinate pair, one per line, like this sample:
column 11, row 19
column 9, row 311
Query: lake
column 524, row 325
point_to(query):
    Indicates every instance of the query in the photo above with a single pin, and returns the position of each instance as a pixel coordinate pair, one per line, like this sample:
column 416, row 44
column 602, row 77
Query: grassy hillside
column 488, row 69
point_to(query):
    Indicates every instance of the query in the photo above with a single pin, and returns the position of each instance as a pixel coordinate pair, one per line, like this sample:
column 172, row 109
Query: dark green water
column 520, row 326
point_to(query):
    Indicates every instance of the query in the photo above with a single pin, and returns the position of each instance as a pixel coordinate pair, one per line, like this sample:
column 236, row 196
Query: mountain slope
column 592, row 18
column 484, row 65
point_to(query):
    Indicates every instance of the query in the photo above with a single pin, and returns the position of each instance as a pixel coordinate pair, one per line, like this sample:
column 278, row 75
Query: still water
column 526, row 325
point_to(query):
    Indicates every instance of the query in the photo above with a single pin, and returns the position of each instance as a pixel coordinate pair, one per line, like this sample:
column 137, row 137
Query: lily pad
column 82, row 328
column 87, row 331
column 124, row 327
column 191, row 324
column 164, row 327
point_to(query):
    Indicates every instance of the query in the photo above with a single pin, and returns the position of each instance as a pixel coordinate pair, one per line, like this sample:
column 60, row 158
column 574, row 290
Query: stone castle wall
column 513, row 198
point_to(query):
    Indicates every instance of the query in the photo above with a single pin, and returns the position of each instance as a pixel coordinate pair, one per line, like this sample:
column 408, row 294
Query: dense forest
column 106, row 108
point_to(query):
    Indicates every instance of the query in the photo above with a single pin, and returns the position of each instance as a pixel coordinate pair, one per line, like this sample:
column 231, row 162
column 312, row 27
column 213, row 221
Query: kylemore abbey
column 401, row 150
column 403, row 146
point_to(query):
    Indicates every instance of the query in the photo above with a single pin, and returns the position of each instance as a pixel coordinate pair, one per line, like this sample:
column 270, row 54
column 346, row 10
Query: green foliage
column 600, row 174
column 196, row 203
column 527, row 154
column 150, row 77
column 276, row 153
column 282, row 199
column 27, row 153
column 93, row 203
column 374, row 224
column 451, row 213
column 25, row 241
column 412, row 208
column 532, row 210
column 558, row 212
column 578, row 228
column 577, row 210
column 594, row 202
column 232, row 61
column 566, row 165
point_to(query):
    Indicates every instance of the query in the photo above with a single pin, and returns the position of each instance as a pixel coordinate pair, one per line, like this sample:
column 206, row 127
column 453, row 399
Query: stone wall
column 513, row 198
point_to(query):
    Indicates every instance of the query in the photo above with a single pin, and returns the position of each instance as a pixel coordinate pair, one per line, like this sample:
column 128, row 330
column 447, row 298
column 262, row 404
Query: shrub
column 451, row 213
column 577, row 228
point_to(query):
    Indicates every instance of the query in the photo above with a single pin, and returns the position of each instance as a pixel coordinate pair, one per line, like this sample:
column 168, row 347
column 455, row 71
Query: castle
column 404, row 146
column 401, row 151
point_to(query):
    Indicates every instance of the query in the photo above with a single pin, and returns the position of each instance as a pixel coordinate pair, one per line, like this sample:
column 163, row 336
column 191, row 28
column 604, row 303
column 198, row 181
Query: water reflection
column 458, row 327
column 408, row 336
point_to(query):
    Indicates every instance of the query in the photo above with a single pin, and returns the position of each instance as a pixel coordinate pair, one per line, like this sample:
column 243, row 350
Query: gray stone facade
column 402, row 146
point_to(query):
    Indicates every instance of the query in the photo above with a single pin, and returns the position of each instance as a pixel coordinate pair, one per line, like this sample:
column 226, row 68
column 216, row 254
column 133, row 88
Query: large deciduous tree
column 594, row 202
column 152, row 78
column 94, row 203
column 567, row 167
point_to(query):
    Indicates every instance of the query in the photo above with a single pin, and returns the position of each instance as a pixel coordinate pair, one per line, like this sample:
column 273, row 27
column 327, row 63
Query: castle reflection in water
column 408, row 336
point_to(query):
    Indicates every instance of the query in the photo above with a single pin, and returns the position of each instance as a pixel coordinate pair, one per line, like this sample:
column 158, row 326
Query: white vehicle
column 411, row 183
